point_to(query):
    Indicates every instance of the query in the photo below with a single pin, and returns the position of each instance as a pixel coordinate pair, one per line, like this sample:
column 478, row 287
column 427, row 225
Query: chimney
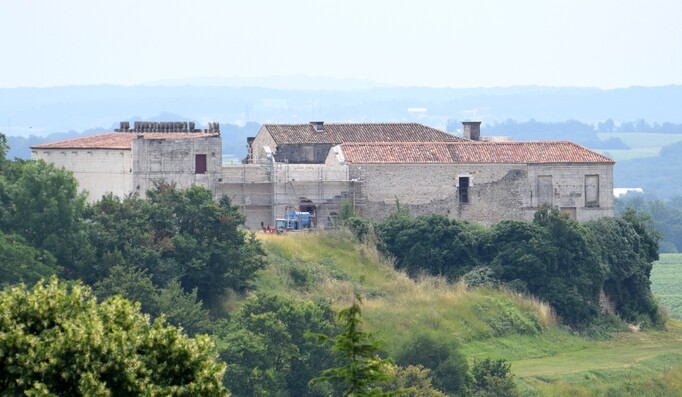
column 472, row 130
column 318, row 125
column 125, row 127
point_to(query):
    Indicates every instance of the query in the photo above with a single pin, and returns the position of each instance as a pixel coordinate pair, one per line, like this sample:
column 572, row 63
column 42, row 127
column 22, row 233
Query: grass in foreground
column 547, row 358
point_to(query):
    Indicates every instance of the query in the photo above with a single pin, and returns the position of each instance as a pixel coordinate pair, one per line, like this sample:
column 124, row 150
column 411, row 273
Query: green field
column 642, row 140
column 629, row 154
column 642, row 144
column 666, row 283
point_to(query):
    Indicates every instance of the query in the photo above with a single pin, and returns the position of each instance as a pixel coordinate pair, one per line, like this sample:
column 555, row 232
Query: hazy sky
column 445, row 43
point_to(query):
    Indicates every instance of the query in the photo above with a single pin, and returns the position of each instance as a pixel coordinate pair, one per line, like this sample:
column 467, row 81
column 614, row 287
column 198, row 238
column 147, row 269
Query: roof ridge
column 116, row 140
column 356, row 123
column 530, row 152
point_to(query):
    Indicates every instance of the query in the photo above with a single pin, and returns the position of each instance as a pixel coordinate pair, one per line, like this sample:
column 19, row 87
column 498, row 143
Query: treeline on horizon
column 571, row 130
column 234, row 136
column 665, row 215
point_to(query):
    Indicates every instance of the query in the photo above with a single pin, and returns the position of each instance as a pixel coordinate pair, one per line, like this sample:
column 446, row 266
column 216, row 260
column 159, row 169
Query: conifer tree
column 361, row 370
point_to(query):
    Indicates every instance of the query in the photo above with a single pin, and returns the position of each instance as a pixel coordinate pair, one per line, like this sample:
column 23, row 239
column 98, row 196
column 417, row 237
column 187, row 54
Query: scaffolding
column 266, row 190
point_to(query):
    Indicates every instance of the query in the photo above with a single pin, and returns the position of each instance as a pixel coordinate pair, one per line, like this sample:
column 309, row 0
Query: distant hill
column 41, row 111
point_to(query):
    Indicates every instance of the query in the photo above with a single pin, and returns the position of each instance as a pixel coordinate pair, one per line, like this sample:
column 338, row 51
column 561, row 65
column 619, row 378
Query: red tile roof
column 114, row 140
column 471, row 152
column 357, row 132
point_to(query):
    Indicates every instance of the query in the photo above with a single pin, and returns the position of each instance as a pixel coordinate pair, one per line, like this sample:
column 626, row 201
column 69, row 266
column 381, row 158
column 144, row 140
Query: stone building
column 310, row 143
column 316, row 167
column 476, row 181
column 132, row 160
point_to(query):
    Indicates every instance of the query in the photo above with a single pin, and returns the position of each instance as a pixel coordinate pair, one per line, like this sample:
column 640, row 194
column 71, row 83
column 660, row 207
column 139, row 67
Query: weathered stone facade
column 301, row 153
column 495, row 191
column 176, row 160
column 130, row 161
column 482, row 182
column 262, row 146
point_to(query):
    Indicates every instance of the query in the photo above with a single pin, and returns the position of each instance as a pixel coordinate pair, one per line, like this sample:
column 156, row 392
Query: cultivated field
column 666, row 283
column 642, row 144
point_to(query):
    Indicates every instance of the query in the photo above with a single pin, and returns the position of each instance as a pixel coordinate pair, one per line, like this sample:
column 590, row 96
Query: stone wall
column 568, row 183
column 309, row 153
column 98, row 171
column 263, row 139
column 496, row 191
column 174, row 160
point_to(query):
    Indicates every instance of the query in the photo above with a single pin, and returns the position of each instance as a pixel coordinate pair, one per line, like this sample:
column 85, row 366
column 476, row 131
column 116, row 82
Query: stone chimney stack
column 125, row 127
column 472, row 130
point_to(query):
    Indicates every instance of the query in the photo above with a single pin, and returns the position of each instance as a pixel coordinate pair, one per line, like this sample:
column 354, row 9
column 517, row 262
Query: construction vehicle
column 280, row 225
column 298, row 220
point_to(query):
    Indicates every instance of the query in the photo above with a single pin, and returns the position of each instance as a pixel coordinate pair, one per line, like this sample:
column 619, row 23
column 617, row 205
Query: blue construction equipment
column 298, row 220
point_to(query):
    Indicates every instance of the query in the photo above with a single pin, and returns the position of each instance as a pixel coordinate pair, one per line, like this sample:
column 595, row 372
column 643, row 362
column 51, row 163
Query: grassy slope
column 547, row 359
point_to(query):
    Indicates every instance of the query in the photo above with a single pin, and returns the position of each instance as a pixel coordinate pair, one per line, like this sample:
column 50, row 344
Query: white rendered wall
column 98, row 171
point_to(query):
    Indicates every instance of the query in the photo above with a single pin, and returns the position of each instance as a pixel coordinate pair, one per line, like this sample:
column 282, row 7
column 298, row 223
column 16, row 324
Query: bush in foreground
column 57, row 340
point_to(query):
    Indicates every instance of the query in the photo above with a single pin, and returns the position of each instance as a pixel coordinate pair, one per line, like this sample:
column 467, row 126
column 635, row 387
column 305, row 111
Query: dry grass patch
column 334, row 266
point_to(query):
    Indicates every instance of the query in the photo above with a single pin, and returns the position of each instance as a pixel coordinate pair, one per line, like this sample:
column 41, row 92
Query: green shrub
column 360, row 227
column 492, row 378
column 448, row 365
column 301, row 276
column 480, row 276
column 603, row 326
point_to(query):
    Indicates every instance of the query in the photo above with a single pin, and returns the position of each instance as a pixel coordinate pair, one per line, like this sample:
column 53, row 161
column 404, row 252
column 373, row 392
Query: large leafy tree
column 179, row 235
column 520, row 252
column 4, row 148
column 432, row 243
column 20, row 262
column 270, row 349
column 58, row 340
column 627, row 245
column 553, row 258
column 41, row 203
column 179, row 308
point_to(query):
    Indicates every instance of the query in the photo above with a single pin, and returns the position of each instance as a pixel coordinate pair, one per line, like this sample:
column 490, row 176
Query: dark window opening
column 591, row 190
column 464, row 189
column 200, row 164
